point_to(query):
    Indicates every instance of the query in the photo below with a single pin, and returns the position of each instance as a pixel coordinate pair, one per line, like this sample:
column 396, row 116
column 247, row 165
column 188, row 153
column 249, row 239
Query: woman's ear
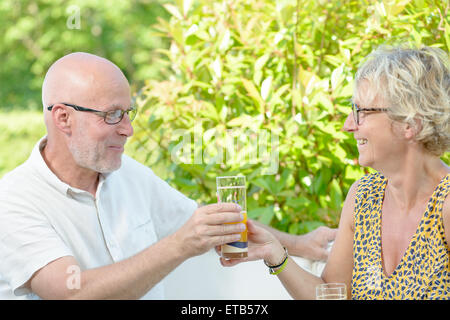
column 411, row 130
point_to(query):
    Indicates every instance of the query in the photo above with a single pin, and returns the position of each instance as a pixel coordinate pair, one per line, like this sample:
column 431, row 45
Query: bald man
column 81, row 220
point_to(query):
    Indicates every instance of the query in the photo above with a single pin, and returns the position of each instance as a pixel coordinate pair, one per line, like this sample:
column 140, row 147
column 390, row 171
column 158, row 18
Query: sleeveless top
column 424, row 270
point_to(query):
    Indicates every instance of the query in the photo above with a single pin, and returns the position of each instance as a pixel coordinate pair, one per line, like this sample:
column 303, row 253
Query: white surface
column 204, row 278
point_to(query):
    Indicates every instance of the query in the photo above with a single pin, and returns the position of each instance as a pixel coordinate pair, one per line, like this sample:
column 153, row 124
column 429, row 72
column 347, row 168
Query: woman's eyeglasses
column 357, row 110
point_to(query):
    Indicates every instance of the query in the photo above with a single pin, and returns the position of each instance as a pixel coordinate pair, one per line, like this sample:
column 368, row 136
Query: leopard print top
column 423, row 272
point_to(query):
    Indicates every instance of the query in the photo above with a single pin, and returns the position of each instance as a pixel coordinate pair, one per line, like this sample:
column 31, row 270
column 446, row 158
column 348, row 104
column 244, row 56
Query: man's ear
column 62, row 118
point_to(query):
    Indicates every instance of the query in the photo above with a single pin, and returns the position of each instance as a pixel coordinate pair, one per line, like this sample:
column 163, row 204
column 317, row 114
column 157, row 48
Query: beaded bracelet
column 281, row 266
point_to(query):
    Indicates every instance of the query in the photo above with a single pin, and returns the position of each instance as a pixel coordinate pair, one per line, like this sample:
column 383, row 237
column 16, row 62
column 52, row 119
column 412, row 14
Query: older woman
column 394, row 233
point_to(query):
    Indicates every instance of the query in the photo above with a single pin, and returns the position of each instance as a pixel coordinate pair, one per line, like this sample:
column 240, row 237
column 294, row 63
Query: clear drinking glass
column 331, row 291
column 232, row 189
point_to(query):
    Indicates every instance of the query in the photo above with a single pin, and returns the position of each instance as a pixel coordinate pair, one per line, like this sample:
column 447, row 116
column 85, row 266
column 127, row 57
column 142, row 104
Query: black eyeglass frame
column 102, row 114
column 356, row 110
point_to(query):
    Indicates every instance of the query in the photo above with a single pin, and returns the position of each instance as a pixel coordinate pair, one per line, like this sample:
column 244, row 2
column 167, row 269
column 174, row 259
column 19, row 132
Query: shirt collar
column 40, row 165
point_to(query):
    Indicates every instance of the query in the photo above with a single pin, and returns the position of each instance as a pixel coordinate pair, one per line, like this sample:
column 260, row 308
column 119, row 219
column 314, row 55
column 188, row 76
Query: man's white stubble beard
column 90, row 157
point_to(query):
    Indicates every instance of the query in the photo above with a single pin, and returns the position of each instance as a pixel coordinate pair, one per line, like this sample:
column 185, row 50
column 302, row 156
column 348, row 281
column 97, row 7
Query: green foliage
column 37, row 32
column 270, row 78
column 20, row 132
column 252, row 70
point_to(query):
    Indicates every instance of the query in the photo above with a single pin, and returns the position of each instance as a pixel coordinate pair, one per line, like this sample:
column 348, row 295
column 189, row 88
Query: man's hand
column 207, row 228
column 314, row 245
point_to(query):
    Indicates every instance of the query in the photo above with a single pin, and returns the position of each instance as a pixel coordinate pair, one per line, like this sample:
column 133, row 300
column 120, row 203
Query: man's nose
column 125, row 128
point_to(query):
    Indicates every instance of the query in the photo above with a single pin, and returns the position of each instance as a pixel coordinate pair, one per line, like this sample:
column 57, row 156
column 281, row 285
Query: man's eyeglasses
column 356, row 111
column 110, row 117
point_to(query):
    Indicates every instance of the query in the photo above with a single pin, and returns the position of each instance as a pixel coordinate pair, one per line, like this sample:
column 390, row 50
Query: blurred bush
column 20, row 132
column 262, row 88
column 35, row 33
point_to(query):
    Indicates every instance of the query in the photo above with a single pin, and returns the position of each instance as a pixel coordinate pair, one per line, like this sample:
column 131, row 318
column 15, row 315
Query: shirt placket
column 110, row 240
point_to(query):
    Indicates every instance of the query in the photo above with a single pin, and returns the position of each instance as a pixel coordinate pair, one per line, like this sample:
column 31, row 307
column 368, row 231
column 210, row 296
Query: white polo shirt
column 43, row 219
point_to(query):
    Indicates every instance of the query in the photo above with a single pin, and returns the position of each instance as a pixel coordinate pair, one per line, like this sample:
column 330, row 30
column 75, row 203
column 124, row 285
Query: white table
column 204, row 278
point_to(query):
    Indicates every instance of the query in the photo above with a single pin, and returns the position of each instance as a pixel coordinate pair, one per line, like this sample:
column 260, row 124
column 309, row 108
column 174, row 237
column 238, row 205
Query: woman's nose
column 350, row 124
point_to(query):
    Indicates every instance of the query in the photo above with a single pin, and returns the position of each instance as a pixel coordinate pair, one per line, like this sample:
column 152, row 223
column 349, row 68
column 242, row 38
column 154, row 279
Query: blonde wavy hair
column 415, row 85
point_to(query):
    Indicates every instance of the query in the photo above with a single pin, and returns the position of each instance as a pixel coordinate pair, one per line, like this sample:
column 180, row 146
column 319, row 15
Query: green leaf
column 262, row 214
column 298, row 203
column 225, row 41
column 187, row 4
column 447, row 35
column 293, row 228
column 154, row 124
column 393, row 8
column 336, row 195
column 254, row 94
column 267, row 183
column 337, row 76
column 262, row 183
column 339, row 152
column 353, row 173
column 266, row 87
column 261, row 61
column 241, row 121
column 173, row 10
column 209, row 111
column 333, row 60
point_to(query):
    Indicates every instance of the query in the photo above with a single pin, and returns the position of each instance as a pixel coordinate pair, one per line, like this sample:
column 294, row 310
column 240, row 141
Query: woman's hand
column 262, row 245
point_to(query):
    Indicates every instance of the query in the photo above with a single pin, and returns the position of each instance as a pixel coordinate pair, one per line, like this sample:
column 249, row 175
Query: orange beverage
column 233, row 190
column 237, row 249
